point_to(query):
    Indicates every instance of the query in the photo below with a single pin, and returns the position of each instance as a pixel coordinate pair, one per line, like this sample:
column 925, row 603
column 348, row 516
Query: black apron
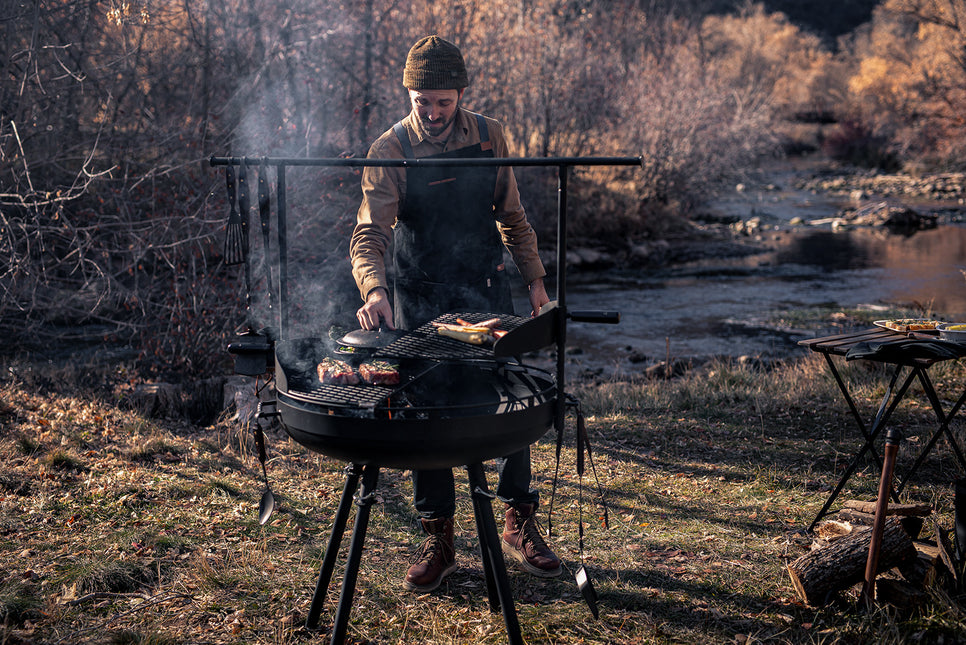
column 447, row 252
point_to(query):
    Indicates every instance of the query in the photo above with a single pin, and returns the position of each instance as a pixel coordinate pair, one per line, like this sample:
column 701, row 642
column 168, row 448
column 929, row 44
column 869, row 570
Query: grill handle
column 608, row 317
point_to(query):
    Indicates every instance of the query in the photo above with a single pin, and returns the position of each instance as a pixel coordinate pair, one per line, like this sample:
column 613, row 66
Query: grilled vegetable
column 489, row 324
column 468, row 328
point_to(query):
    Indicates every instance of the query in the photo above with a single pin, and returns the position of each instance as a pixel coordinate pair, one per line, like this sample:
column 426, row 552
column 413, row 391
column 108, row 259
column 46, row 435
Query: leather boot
column 522, row 542
column 436, row 557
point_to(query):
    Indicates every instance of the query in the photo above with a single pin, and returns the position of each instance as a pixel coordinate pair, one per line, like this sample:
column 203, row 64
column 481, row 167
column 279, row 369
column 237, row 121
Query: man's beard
column 436, row 128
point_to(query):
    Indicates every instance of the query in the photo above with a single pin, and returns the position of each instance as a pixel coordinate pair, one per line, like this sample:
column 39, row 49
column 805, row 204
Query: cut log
column 855, row 517
column 817, row 575
column 899, row 593
column 918, row 510
column 911, row 523
column 831, row 530
column 927, row 569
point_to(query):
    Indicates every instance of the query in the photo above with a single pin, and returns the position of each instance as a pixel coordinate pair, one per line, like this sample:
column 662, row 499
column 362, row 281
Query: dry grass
column 119, row 529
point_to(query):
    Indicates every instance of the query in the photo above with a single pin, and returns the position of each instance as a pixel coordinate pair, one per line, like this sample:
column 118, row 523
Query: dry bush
column 695, row 126
column 771, row 60
column 907, row 79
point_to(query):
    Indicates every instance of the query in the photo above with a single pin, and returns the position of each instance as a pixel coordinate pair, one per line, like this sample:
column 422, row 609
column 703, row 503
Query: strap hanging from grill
column 582, row 444
column 584, row 583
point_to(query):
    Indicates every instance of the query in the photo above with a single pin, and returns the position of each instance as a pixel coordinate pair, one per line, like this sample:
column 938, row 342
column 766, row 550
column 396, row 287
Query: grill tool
column 234, row 234
column 264, row 215
column 267, row 503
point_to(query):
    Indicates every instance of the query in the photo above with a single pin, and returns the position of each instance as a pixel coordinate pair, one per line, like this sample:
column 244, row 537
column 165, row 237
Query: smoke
column 320, row 206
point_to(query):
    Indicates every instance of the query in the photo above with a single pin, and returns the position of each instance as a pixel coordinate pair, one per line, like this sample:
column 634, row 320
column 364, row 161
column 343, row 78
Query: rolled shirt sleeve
column 381, row 197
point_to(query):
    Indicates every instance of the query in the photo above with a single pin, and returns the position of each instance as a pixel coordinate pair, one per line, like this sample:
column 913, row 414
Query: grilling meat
column 466, row 335
column 336, row 372
column 379, row 373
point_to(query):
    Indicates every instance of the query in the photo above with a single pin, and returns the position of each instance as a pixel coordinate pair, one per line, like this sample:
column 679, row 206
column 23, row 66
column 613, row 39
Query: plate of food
column 906, row 325
column 954, row 331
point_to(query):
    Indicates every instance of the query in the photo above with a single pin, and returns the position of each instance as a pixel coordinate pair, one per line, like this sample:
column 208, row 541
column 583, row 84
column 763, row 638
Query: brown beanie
column 435, row 64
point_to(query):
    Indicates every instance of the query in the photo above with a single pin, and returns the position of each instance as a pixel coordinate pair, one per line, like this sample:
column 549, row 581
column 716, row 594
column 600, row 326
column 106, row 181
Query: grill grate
column 424, row 343
column 349, row 396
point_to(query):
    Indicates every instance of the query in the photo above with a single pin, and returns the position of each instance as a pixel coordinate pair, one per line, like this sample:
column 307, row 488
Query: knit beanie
column 435, row 64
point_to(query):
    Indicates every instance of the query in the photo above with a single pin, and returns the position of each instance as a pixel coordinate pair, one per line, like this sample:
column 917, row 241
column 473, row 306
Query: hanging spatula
column 234, row 235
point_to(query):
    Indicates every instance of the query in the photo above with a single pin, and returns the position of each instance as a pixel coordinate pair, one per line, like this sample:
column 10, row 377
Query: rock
column 662, row 370
column 884, row 213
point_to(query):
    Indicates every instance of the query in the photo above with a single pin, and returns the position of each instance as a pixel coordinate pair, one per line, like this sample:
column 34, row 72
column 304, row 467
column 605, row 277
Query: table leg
column 943, row 419
column 881, row 418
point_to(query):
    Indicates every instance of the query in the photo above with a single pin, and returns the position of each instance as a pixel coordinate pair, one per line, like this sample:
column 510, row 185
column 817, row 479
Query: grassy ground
column 120, row 529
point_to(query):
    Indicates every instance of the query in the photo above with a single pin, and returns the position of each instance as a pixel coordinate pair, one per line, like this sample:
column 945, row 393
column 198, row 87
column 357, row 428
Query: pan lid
column 370, row 338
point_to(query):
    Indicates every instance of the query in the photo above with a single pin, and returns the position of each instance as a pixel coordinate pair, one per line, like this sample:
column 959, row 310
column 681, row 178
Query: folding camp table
column 909, row 365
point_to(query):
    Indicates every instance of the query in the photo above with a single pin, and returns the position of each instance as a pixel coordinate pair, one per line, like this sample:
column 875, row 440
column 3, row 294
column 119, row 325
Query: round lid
column 370, row 338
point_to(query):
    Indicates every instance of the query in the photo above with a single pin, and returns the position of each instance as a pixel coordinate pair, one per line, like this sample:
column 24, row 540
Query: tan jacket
column 384, row 189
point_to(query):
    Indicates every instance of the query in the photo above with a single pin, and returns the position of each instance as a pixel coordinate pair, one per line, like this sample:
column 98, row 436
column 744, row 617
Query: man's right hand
column 377, row 311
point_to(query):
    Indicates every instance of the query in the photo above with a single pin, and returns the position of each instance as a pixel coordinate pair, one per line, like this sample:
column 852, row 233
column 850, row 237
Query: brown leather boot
column 522, row 542
column 436, row 557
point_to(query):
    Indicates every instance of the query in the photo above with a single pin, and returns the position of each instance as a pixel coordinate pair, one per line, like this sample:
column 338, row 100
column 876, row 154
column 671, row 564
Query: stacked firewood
column 907, row 564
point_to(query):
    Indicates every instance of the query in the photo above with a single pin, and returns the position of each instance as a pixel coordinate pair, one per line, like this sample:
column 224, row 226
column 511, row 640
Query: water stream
column 728, row 306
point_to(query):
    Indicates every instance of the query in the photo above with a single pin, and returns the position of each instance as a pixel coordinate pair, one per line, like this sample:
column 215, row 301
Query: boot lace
column 432, row 547
column 531, row 531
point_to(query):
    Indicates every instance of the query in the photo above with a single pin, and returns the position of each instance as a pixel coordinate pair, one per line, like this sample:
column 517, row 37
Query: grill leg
column 370, row 475
column 492, row 553
column 353, row 473
column 481, row 497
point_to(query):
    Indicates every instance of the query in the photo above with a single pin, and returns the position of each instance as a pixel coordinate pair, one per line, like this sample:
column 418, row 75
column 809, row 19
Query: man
column 446, row 225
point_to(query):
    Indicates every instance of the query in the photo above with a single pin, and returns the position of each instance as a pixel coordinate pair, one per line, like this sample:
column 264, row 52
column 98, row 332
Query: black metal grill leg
column 370, row 476
column 481, row 497
column 490, row 547
column 353, row 473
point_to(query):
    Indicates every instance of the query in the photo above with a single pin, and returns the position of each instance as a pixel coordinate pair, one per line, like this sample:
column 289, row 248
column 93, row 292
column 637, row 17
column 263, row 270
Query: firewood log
column 919, row 510
column 817, row 575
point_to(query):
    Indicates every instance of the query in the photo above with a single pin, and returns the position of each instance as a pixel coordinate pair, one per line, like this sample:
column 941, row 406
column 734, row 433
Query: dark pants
column 435, row 495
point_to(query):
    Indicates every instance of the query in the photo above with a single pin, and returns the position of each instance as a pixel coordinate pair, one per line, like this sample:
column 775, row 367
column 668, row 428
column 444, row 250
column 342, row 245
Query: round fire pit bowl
column 442, row 414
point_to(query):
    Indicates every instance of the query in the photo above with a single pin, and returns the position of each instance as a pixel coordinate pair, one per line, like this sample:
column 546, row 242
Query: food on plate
column 379, row 373
column 908, row 324
column 335, row 372
column 955, row 327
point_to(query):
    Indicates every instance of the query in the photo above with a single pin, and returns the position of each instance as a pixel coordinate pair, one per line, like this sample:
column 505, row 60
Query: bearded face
column 436, row 109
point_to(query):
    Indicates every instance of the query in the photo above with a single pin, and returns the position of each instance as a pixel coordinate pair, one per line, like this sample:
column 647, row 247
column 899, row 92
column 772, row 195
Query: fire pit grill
column 368, row 426
column 455, row 402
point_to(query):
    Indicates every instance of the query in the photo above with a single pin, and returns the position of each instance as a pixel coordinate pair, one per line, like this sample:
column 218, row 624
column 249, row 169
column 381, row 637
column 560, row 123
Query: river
column 749, row 305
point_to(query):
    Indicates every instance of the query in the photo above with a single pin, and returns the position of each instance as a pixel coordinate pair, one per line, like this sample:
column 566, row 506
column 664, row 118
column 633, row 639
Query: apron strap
column 484, row 133
column 403, row 137
column 407, row 147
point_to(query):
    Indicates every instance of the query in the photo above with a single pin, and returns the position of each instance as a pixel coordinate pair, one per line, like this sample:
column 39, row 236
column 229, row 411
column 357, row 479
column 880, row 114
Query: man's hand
column 377, row 310
column 538, row 296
